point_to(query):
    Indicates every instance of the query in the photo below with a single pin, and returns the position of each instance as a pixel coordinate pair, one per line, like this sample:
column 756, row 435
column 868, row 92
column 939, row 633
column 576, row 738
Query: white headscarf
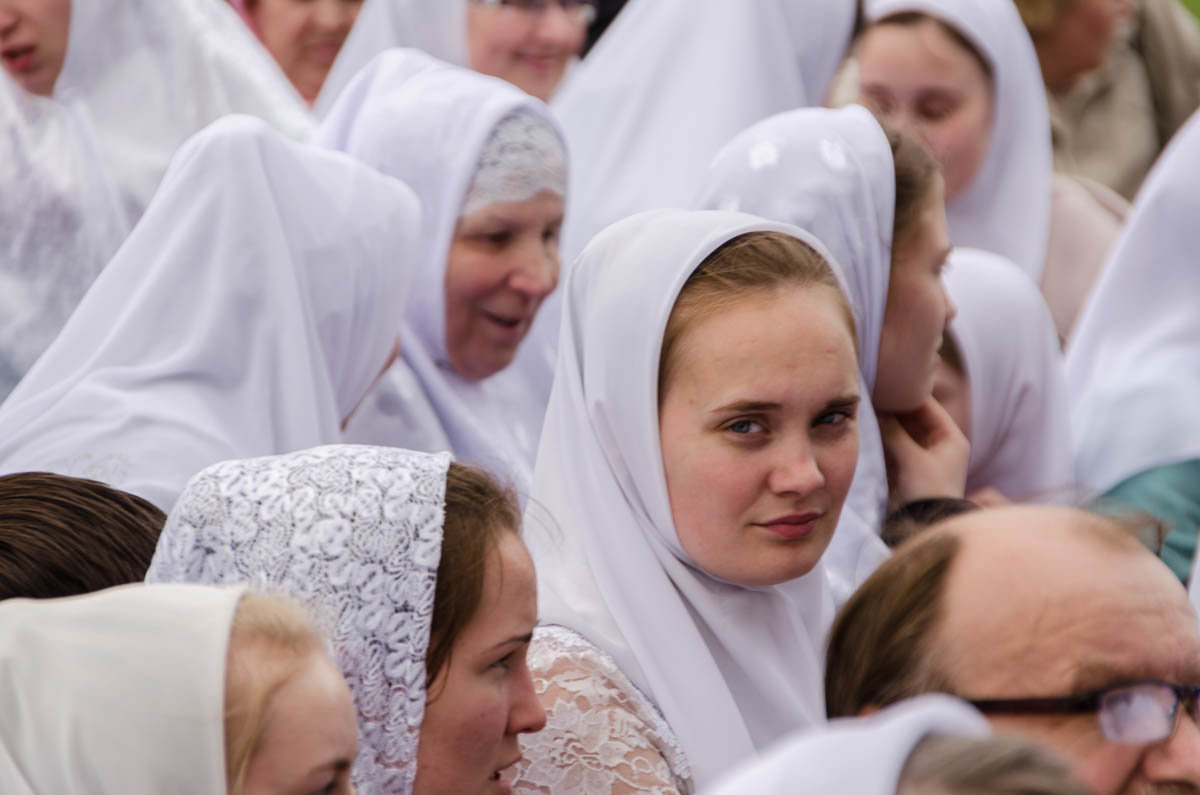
column 116, row 692
column 671, row 81
column 1006, row 208
column 356, row 532
column 864, row 756
column 430, row 124
column 731, row 668
column 438, row 27
column 151, row 73
column 1133, row 365
column 1020, row 426
column 830, row 172
column 60, row 223
column 247, row 314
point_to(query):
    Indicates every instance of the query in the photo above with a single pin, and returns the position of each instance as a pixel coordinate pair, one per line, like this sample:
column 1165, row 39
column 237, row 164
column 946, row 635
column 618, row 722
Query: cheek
column 708, row 491
column 493, row 41
column 462, row 733
column 837, row 463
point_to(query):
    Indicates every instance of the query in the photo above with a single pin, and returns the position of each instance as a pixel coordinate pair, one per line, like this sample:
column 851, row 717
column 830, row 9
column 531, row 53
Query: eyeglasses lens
column 1141, row 714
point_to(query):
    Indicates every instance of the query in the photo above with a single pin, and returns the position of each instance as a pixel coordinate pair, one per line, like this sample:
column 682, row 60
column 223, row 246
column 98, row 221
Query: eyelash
column 842, row 416
column 504, row 662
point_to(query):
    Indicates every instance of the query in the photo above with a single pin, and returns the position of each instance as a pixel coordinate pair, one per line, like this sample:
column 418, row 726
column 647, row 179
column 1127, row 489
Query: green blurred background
column 1194, row 5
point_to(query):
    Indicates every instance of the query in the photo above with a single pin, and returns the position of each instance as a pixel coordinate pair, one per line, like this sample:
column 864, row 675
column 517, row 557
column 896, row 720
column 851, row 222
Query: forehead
column 922, row 53
column 508, row 606
column 1077, row 613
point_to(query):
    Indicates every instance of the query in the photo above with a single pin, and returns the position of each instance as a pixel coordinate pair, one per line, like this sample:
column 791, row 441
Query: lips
column 539, row 62
column 18, row 58
column 504, row 782
column 792, row 526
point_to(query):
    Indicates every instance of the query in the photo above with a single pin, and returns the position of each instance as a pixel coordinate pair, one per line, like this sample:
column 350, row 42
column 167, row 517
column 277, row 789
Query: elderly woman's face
column 503, row 263
column 304, row 36
column 33, row 41
column 528, row 46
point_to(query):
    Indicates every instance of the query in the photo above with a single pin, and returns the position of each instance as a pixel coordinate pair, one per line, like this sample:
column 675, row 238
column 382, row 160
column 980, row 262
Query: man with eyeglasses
column 1056, row 623
column 529, row 43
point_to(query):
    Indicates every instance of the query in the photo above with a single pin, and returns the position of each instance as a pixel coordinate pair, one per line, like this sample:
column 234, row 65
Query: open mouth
column 504, row 321
column 18, row 59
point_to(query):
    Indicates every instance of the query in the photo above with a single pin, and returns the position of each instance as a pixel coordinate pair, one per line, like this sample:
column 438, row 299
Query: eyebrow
column 526, row 638
column 1087, row 677
column 334, row 766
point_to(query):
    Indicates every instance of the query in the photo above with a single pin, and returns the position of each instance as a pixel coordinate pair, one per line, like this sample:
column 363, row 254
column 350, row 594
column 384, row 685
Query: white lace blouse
column 603, row 736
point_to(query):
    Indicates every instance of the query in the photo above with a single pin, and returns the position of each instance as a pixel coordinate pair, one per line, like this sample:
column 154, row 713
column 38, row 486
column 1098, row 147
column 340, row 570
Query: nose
column 796, row 470
column 951, row 307
column 8, row 18
column 525, row 714
column 334, row 15
column 538, row 274
column 1176, row 761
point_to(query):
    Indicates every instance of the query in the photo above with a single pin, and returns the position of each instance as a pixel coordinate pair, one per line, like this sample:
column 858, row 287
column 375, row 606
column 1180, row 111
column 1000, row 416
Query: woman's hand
column 926, row 454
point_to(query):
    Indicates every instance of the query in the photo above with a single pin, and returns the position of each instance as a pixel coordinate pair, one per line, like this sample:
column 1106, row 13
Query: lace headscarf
column 356, row 533
column 521, row 158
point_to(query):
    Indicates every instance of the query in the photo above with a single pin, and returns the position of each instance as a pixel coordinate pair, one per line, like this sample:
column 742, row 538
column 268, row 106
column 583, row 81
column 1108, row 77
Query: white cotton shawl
column 1020, row 427
column 426, row 122
column 356, row 533
column 863, row 756
column 1133, row 364
column 116, row 692
column 731, row 668
column 830, row 172
column 148, row 74
column 1006, row 209
column 671, row 81
column 247, row 314
column 60, row 223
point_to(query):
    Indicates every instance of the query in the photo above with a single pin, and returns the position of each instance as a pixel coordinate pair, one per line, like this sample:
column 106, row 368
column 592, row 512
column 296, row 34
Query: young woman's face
column 309, row 736
column 758, row 434
column 917, row 312
column 304, row 36
column 33, row 41
column 483, row 698
column 1080, row 39
column 503, row 263
column 529, row 48
column 919, row 80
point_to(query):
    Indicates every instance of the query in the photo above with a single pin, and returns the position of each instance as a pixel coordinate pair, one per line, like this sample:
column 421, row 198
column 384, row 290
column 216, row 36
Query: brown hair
column 753, row 263
column 478, row 510
column 913, row 18
column 63, row 536
column 879, row 647
column 996, row 765
column 916, row 175
column 271, row 639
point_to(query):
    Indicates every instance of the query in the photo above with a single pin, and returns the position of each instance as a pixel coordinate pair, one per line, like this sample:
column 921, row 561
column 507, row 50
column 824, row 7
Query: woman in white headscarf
column 1133, row 367
column 169, row 688
column 489, row 165
column 692, row 469
column 418, row 565
column 248, row 313
column 60, row 218
column 629, row 109
column 1001, row 378
column 148, row 74
column 839, row 176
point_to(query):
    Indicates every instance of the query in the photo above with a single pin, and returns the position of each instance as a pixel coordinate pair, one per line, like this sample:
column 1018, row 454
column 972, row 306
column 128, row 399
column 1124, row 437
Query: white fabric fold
column 356, row 533
column 1020, row 427
column 115, row 692
column 426, row 122
column 864, row 756
column 1133, row 364
column 149, row 74
column 1006, row 208
column 731, row 668
column 830, row 172
column 247, row 314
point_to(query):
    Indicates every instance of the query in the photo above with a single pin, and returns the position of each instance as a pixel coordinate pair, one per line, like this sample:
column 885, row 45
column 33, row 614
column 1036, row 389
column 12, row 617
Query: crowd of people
column 573, row 397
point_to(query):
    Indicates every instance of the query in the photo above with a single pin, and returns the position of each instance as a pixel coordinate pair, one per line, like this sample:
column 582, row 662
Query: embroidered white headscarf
column 671, row 81
column 731, row 668
column 355, row 532
column 864, row 756
column 433, row 125
column 1006, row 209
column 1133, row 364
column 247, row 314
column 115, row 692
column 1020, row 428
column 438, row 28
column 830, row 173
column 148, row 74
column 60, row 223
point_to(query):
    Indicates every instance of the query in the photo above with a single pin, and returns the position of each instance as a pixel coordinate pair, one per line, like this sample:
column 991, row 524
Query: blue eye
column 833, row 418
column 745, row 427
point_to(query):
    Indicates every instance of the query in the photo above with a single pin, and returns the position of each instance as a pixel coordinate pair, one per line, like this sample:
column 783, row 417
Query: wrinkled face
column 950, row 388
column 503, row 263
column 304, row 36
column 483, row 698
column 309, row 736
column 528, row 48
column 921, row 81
column 758, row 434
column 917, row 311
column 33, row 41
column 1079, row 41
column 1075, row 616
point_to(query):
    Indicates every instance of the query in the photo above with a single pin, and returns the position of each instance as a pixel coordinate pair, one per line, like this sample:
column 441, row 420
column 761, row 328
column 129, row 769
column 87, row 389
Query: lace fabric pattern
column 602, row 735
column 354, row 531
